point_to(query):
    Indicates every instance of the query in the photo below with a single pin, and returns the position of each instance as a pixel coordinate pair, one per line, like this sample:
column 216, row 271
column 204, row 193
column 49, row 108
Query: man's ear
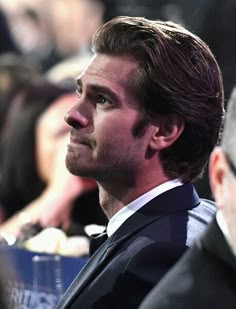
column 166, row 131
column 217, row 172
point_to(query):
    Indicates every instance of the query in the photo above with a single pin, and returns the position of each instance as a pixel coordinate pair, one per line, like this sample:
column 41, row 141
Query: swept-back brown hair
column 177, row 74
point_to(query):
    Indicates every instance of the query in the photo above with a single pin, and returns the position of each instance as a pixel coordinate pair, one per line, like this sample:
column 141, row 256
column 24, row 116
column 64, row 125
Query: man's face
column 102, row 145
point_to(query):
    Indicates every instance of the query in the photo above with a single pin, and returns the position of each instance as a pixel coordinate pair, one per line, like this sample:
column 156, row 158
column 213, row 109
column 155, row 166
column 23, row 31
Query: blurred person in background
column 18, row 141
column 73, row 23
column 51, row 31
column 35, row 185
column 205, row 277
column 8, row 44
column 28, row 29
column 15, row 75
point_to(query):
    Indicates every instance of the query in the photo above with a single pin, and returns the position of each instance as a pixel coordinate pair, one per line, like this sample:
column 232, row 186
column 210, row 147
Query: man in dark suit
column 149, row 111
column 205, row 277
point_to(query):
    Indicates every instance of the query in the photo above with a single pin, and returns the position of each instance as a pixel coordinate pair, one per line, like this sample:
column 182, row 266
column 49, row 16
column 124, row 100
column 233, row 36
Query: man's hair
column 177, row 74
column 228, row 137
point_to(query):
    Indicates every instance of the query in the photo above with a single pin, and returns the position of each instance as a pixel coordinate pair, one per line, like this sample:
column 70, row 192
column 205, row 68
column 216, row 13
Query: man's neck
column 113, row 198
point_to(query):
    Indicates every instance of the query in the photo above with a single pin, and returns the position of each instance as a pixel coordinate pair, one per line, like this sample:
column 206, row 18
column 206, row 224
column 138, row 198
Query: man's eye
column 100, row 99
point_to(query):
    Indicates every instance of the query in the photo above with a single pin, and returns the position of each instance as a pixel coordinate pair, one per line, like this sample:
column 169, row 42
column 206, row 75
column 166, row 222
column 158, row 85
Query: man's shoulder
column 204, row 212
column 199, row 218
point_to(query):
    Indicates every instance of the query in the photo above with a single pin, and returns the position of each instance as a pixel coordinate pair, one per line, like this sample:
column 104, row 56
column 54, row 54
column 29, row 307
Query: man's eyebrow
column 105, row 90
column 97, row 88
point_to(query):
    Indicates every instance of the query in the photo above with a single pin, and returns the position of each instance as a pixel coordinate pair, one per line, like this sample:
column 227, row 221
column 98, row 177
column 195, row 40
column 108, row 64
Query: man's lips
column 78, row 140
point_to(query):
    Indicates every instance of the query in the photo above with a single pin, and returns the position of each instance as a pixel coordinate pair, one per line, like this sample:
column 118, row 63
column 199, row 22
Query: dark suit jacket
column 205, row 277
column 125, row 268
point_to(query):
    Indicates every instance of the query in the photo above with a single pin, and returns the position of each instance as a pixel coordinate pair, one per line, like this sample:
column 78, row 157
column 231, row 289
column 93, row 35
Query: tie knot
column 96, row 241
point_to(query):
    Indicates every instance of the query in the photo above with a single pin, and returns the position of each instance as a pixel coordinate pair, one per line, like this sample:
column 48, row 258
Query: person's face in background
column 73, row 23
column 52, row 134
column 223, row 185
column 27, row 24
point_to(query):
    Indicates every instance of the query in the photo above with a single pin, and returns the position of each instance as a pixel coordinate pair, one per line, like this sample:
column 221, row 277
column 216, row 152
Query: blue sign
column 23, row 293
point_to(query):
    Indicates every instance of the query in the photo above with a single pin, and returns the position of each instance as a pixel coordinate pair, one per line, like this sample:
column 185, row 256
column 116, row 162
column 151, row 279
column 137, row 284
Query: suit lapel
column 177, row 199
column 92, row 266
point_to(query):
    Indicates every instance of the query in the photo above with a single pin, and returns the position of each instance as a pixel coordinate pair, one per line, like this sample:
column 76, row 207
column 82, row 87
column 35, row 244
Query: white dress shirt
column 123, row 214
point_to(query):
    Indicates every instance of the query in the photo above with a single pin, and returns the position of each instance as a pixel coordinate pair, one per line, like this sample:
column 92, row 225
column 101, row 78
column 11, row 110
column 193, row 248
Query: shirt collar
column 123, row 214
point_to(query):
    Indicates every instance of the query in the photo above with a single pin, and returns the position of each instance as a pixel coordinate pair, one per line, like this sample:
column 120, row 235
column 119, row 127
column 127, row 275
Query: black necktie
column 96, row 240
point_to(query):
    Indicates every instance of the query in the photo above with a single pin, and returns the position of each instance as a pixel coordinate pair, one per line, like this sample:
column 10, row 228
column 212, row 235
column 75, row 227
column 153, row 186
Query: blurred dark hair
column 15, row 74
column 20, row 182
column 8, row 43
column 177, row 74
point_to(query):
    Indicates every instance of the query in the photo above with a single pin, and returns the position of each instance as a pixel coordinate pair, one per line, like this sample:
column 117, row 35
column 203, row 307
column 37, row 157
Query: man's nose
column 74, row 118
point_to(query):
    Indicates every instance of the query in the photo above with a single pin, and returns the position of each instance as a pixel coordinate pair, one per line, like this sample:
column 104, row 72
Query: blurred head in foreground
column 222, row 171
